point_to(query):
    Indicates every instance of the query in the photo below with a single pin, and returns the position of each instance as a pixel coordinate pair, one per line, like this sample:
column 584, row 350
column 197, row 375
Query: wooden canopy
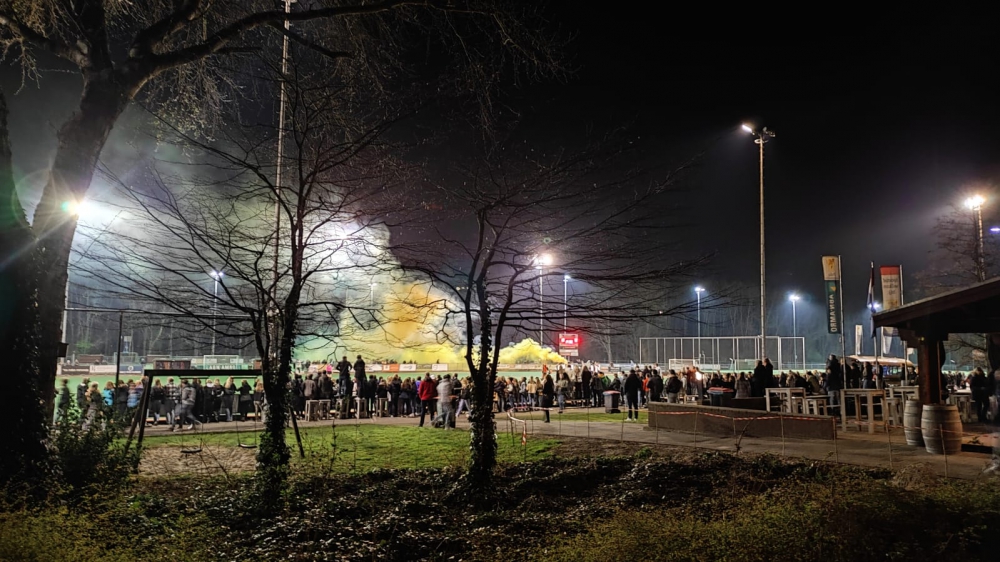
column 926, row 324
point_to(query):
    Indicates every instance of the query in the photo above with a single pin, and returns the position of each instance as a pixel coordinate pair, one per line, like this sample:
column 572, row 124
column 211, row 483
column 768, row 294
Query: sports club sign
column 569, row 344
column 831, row 278
column 892, row 286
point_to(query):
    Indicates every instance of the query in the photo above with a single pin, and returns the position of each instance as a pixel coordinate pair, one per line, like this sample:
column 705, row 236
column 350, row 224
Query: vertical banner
column 886, row 341
column 831, row 277
column 892, row 286
column 859, row 335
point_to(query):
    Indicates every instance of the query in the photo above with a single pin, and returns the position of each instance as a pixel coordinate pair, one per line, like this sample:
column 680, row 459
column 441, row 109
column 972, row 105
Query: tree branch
column 58, row 48
column 217, row 41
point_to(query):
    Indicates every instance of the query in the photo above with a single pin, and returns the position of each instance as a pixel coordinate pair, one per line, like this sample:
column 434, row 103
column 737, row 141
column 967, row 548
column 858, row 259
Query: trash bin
column 720, row 396
column 611, row 400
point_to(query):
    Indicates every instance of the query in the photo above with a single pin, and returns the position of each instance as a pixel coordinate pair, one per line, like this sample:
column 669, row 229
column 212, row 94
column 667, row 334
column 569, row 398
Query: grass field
column 349, row 447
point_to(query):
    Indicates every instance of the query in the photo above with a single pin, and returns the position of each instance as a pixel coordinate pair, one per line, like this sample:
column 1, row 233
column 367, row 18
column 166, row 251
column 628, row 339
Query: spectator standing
column 548, row 392
column 632, row 387
column 426, row 392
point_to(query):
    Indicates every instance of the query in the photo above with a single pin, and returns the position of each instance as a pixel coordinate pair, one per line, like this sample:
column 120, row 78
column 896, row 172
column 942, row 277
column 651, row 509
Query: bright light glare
column 544, row 259
column 793, row 297
column 699, row 289
column 876, row 306
column 974, row 202
column 567, row 278
column 217, row 274
column 995, row 229
column 747, row 128
column 81, row 209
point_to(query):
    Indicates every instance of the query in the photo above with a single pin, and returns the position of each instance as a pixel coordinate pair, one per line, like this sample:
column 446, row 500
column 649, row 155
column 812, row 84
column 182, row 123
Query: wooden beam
column 930, row 358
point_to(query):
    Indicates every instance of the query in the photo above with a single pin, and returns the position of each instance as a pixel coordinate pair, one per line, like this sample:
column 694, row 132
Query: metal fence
column 729, row 353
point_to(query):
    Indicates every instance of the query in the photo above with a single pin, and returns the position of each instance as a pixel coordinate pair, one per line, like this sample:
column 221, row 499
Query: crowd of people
column 443, row 398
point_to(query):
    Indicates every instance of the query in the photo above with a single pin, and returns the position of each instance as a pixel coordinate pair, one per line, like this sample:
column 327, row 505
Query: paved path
column 887, row 450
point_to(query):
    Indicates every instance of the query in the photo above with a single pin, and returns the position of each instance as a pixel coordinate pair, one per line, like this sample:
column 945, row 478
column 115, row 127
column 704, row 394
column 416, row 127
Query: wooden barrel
column 911, row 423
column 942, row 428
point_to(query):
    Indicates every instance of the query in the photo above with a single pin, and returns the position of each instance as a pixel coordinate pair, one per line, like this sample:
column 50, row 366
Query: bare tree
column 956, row 262
column 501, row 232
column 281, row 278
column 186, row 55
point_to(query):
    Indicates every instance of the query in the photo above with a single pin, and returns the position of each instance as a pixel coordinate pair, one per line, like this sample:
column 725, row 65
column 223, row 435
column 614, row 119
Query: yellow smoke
column 528, row 351
column 414, row 322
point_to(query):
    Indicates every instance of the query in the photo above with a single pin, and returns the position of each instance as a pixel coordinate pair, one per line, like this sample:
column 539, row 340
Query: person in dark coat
column 631, row 388
column 834, row 380
column 758, row 382
column 979, row 394
column 771, row 381
column 585, row 383
column 548, row 394
column 655, row 387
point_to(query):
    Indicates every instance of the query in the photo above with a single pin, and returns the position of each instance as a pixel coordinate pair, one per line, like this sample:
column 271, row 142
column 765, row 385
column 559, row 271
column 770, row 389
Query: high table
column 785, row 396
column 963, row 400
column 857, row 394
column 904, row 392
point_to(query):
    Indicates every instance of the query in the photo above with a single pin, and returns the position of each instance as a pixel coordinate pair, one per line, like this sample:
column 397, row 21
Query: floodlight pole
column 277, row 182
column 541, row 307
column 763, row 136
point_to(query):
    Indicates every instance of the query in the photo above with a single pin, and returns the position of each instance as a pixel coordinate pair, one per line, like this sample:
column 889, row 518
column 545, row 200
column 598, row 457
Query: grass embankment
column 657, row 504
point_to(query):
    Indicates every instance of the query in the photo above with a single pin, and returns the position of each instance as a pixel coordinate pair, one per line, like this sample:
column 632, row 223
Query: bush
column 849, row 520
column 93, row 460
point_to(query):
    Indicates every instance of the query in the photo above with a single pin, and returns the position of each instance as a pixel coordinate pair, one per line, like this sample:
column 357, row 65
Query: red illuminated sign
column 569, row 340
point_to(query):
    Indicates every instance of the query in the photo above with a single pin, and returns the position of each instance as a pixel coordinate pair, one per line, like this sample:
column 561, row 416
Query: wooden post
column 930, row 354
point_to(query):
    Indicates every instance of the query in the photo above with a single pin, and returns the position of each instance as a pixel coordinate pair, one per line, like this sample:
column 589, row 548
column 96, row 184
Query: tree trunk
column 274, row 454
column 81, row 139
column 22, row 419
column 483, row 438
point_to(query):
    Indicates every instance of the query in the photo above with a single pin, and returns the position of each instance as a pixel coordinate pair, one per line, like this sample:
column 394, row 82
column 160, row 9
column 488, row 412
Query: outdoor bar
column 925, row 325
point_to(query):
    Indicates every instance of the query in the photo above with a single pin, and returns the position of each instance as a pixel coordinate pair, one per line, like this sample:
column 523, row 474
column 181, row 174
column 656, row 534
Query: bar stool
column 890, row 412
column 815, row 406
column 690, row 399
column 382, row 407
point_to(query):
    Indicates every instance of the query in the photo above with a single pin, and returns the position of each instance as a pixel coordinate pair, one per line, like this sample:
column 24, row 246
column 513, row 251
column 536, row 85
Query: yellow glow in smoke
column 412, row 327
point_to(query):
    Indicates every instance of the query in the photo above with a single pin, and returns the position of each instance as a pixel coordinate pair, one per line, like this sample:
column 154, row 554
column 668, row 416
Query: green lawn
column 363, row 447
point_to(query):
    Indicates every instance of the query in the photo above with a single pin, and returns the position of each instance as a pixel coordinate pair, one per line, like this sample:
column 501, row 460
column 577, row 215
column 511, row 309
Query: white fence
column 730, row 353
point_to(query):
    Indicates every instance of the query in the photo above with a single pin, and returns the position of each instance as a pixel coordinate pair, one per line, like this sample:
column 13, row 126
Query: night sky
column 882, row 120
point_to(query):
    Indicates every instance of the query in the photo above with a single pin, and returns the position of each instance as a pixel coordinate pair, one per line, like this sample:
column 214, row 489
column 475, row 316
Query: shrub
column 93, row 460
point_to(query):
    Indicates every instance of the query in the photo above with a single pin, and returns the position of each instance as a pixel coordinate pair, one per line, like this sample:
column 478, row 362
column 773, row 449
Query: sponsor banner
column 569, row 352
column 102, row 369
column 374, row 367
column 505, row 367
column 892, row 286
column 859, row 336
column 439, row 367
column 831, row 268
column 833, row 320
column 392, row 367
column 172, row 365
column 221, row 360
column 408, row 367
column 527, row 367
column 71, row 370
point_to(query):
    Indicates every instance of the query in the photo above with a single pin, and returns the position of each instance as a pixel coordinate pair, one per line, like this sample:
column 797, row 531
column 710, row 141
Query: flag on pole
column 871, row 298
